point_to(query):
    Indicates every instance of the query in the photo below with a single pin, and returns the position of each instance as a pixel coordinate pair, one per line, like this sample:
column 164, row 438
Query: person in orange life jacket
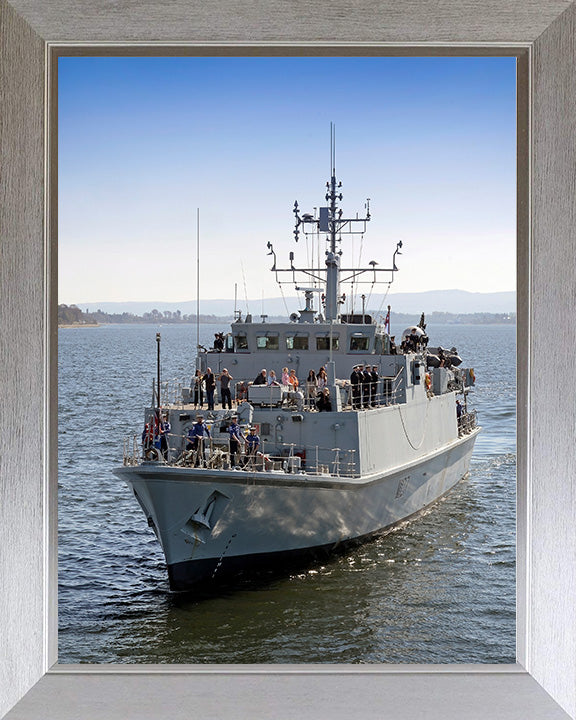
column 225, row 394
column 236, row 438
column 164, row 429
column 293, row 380
column 210, row 385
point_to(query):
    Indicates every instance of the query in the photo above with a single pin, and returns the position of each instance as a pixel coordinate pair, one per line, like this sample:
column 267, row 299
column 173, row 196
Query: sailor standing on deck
column 252, row 444
column 355, row 380
column 366, row 376
column 236, row 438
column 374, row 386
column 459, row 413
column 196, row 436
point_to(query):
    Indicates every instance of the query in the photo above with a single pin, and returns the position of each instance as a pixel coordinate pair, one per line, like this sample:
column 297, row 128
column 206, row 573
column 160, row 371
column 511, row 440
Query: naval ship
column 337, row 461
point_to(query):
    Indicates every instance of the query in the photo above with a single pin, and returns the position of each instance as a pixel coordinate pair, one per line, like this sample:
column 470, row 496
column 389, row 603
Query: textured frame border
column 547, row 216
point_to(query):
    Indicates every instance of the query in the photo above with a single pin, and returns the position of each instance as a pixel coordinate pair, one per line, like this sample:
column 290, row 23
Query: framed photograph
column 151, row 137
column 540, row 682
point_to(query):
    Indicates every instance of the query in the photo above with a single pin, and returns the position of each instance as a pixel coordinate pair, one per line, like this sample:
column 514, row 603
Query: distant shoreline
column 78, row 325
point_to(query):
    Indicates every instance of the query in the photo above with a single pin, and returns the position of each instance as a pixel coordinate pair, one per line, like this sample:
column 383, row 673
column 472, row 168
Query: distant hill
column 451, row 301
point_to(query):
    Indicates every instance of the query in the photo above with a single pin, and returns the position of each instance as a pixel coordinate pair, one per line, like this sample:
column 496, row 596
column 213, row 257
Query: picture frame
column 542, row 683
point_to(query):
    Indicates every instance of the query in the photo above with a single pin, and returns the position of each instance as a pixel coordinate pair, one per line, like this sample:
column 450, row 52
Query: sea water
column 438, row 589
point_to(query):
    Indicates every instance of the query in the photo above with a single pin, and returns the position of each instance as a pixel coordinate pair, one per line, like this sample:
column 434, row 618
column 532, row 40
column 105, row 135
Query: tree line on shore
column 73, row 315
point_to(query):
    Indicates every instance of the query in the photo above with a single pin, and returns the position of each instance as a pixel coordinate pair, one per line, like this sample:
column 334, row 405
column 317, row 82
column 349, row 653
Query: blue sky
column 144, row 142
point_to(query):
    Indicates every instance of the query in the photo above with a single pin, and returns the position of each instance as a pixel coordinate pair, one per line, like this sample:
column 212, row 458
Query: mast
column 332, row 257
column 197, row 283
column 333, row 225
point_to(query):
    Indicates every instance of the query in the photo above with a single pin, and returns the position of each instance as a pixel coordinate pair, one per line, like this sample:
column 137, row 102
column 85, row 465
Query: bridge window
column 359, row 342
column 297, row 342
column 323, row 342
column 241, row 341
column 267, row 342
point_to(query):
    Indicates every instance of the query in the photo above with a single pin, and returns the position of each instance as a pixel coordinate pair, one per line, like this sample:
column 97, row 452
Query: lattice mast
column 331, row 222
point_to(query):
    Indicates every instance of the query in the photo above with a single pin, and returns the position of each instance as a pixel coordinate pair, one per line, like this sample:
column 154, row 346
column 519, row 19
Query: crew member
column 355, row 382
column 196, row 435
column 236, row 438
column 366, row 376
column 252, row 444
column 374, row 386
column 459, row 413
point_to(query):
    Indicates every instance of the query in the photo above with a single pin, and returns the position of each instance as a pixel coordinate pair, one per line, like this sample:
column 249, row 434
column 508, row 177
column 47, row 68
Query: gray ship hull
column 215, row 525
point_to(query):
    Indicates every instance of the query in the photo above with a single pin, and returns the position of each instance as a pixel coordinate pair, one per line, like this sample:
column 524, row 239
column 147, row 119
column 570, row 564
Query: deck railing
column 387, row 391
column 270, row 457
column 467, row 422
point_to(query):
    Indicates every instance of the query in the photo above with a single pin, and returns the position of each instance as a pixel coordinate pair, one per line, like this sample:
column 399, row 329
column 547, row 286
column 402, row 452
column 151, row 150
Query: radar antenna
column 332, row 222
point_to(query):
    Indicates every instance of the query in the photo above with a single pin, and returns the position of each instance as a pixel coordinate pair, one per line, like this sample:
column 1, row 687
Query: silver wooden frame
column 542, row 33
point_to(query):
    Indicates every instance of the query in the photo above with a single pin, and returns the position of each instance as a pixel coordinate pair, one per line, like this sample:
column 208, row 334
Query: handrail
column 467, row 422
column 286, row 457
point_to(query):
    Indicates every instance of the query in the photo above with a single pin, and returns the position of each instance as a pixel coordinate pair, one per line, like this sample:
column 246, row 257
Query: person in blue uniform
column 236, row 438
column 366, row 381
column 196, row 435
column 355, row 382
column 252, row 445
column 164, row 429
column 374, row 386
column 459, row 413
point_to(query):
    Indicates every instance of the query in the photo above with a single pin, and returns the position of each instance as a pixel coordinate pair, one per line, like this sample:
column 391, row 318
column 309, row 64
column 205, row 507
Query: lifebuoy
column 428, row 381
